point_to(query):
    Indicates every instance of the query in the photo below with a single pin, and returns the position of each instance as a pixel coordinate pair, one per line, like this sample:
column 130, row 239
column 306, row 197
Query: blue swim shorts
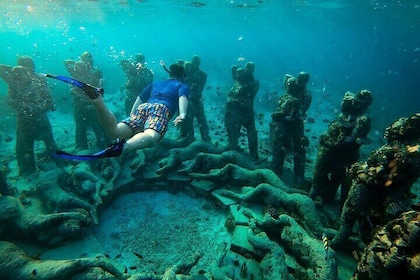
column 149, row 115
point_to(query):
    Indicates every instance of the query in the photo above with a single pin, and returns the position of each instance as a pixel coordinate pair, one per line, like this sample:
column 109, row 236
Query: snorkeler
column 148, row 121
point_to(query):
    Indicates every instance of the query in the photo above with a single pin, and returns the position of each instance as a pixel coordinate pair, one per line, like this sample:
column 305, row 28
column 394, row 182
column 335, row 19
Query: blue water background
column 344, row 45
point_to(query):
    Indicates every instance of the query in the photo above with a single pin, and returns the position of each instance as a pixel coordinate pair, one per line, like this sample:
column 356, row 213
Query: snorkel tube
column 164, row 66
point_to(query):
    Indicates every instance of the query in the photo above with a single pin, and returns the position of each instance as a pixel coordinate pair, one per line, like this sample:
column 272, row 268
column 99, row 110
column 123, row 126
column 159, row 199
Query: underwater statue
column 196, row 80
column 139, row 76
column 30, row 97
column 339, row 146
column 239, row 110
column 83, row 111
column 287, row 128
column 381, row 186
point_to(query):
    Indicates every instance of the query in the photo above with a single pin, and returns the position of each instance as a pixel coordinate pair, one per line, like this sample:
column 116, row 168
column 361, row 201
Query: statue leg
column 233, row 125
column 321, row 181
column 299, row 150
column 25, row 137
column 202, row 122
column 187, row 126
column 252, row 135
column 278, row 138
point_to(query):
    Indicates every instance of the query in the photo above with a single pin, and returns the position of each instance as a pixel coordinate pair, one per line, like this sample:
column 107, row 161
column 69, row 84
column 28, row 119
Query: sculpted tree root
column 52, row 229
column 265, row 186
column 204, row 162
column 172, row 272
column 307, row 251
column 85, row 183
column 138, row 163
column 273, row 263
column 301, row 205
column 110, row 171
column 162, row 150
column 58, row 200
column 178, row 155
column 59, row 228
column 309, row 256
column 242, row 176
column 14, row 264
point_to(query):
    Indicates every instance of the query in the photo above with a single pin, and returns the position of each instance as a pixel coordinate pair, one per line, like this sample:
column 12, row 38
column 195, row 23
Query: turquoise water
column 345, row 45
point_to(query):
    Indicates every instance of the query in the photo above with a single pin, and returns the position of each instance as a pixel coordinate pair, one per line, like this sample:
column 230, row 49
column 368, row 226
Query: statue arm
column 126, row 66
column 363, row 125
column 286, row 78
column 5, row 73
column 69, row 64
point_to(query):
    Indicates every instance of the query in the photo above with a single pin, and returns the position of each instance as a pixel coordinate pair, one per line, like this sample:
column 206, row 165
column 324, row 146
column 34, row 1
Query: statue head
column 26, row 61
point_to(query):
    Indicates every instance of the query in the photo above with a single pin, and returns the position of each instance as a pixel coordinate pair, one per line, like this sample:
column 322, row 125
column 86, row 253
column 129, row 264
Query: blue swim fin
column 65, row 155
column 91, row 91
column 113, row 150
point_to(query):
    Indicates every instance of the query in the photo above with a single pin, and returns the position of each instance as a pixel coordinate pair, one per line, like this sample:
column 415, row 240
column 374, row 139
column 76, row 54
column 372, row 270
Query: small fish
column 138, row 255
column 326, row 244
column 198, row 4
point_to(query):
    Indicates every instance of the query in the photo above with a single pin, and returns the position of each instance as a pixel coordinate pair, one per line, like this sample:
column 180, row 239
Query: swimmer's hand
column 179, row 119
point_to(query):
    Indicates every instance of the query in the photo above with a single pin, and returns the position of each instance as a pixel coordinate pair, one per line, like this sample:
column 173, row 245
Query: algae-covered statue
column 196, row 80
column 339, row 146
column 240, row 108
column 139, row 76
column 30, row 97
column 394, row 251
column 381, row 185
column 287, row 126
column 83, row 112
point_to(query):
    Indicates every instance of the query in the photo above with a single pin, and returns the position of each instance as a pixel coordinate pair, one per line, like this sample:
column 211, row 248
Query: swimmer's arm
column 135, row 105
column 183, row 106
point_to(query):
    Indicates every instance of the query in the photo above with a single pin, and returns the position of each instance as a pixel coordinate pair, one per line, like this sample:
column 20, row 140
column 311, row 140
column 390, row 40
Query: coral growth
column 394, row 251
column 381, row 185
